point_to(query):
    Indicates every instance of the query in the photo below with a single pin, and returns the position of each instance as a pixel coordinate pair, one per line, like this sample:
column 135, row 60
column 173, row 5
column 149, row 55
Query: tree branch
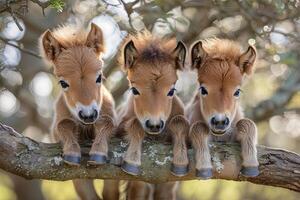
column 32, row 160
column 27, row 51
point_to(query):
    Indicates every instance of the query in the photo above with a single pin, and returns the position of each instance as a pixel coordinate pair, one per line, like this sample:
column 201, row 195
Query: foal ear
column 50, row 46
column 197, row 54
column 180, row 54
column 95, row 39
column 130, row 55
column 246, row 60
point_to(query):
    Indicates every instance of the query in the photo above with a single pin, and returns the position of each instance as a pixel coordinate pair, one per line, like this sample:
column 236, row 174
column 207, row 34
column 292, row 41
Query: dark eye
column 135, row 91
column 63, row 84
column 171, row 92
column 237, row 93
column 99, row 79
column 203, row 91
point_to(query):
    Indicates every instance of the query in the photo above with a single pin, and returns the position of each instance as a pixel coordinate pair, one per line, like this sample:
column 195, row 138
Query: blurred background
column 271, row 98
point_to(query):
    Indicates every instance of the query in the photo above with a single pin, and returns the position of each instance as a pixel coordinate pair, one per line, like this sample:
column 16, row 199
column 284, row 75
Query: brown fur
column 221, row 66
column 75, row 56
column 151, row 67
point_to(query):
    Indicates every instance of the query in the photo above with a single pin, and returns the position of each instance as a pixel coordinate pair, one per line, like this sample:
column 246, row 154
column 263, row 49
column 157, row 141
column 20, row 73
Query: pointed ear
column 198, row 55
column 180, row 54
column 246, row 60
column 51, row 47
column 95, row 39
column 130, row 55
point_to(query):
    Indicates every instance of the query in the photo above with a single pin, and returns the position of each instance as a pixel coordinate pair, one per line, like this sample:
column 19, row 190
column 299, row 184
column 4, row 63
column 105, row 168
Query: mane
column 70, row 35
column 223, row 49
column 151, row 48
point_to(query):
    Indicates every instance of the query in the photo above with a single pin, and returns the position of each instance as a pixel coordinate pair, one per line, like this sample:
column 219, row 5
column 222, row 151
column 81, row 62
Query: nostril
column 161, row 125
column 213, row 121
column 148, row 125
column 81, row 116
column 227, row 121
column 95, row 114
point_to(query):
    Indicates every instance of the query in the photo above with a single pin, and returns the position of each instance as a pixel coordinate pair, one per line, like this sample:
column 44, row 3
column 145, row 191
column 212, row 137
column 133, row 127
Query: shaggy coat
column 153, row 109
column 84, row 109
column 215, row 113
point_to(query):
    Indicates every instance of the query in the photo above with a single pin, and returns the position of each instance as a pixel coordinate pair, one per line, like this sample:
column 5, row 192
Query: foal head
column 151, row 64
column 221, row 66
column 75, row 56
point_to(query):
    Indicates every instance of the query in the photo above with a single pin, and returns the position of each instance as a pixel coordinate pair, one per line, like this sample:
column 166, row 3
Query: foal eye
column 203, row 91
column 135, row 91
column 171, row 92
column 99, row 79
column 237, row 93
column 63, row 84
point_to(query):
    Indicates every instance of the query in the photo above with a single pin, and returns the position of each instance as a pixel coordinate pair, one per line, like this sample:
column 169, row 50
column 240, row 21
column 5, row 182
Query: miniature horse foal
column 215, row 112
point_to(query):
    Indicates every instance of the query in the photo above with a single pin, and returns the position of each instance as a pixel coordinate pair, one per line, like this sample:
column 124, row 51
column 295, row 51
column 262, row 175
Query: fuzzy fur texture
column 221, row 66
column 151, row 64
column 74, row 55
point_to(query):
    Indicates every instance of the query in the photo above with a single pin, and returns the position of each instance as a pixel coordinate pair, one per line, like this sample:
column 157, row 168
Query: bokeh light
column 41, row 84
column 8, row 103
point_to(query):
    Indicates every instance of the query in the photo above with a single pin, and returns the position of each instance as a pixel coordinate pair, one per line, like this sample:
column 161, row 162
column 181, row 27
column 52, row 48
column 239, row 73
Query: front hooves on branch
column 131, row 169
column 250, row 171
column 97, row 159
column 178, row 170
column 72, row 160
column 204, row 174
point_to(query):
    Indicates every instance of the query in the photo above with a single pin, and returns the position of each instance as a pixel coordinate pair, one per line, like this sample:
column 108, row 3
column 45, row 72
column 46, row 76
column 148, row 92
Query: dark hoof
column 250, row 171
column 97, row 159
column 131, row 169
column 72, row 160
column 204, row 174
column 179, row 170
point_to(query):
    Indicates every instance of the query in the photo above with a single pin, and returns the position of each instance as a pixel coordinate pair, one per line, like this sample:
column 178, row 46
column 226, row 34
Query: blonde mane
column 70, row 35
column 222, row 49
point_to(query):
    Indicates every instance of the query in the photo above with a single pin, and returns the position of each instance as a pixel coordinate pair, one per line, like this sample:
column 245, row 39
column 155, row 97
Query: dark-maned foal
column 153, row 107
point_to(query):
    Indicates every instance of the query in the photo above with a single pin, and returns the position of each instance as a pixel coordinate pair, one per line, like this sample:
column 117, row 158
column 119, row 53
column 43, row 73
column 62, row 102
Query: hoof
column 179, row 170
column 250, row 171
column 97, row 159
column 131, row 169
column 72, row 160
column 204, row 174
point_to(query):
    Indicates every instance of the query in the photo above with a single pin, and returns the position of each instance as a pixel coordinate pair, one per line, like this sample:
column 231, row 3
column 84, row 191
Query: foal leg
column 247, row 136
column 111, row 190
column 199, row 136
column 103, row 129
column 85, row 189
column 67, row 133
column 165, row 191
column 132, row 159
column 138, row 190
column 179, row 127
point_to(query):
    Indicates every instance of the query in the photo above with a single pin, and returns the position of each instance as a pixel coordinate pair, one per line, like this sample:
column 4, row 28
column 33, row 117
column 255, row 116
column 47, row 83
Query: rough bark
column 33, row 160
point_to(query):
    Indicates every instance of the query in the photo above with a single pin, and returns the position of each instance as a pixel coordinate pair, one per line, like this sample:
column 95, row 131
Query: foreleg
column 247, row 136
column 179, row 127
column 132, row 158
column 67, row 133
column 104, row 129
column 199, row 136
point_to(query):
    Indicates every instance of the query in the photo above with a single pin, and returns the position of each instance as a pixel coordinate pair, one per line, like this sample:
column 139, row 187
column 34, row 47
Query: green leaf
column 57, row 4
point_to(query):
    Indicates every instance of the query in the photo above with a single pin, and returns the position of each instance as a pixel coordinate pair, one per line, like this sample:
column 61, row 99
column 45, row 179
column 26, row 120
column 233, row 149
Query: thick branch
column 32, row 160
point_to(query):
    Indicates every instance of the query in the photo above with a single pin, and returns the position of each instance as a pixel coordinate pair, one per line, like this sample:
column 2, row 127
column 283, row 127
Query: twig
column 27, row 51
column 110, row 4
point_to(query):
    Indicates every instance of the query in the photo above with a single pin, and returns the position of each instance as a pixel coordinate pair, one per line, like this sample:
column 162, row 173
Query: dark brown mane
column 151, row 48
